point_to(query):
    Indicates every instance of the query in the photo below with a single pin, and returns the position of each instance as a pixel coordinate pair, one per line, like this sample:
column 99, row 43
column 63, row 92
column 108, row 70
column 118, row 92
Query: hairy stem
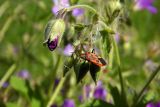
column 87, row 7
column 119, row 69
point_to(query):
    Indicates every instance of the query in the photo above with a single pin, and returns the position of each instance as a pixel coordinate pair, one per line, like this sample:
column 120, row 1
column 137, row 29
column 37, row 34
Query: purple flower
column 151, row 104
column 100, row 92
column 145, row 4
column 80, row 98
column 55, row 9
column 68, row 50
column 87, row 90
column 24, row 74
column 56, row 82
column 117, row 37
column 150, row 65
column 59, row 5
column 5, row 84
column 52, row 44
column 68, row 103
column 77, row 12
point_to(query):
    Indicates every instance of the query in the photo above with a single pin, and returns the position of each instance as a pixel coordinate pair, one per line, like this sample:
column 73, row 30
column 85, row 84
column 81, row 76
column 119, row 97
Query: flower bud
column 53, row 33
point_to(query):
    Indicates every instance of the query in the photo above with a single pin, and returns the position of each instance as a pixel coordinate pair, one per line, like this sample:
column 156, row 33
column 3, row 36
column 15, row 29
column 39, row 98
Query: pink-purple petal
column 77, row 12
column 152, row 9
column 68, row 103
column 68, row 50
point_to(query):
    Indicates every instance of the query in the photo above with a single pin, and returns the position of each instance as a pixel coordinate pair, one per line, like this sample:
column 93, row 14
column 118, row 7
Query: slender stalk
column 51, row 101
column 4, row 7
column 9, row 21
column 7, row 75
column 146, row 85
column 119, row 69
column 53, row 73
column 82, row 6
column 85, row 7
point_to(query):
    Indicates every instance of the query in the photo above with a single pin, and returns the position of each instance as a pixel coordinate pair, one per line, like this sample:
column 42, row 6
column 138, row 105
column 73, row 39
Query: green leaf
column 93, row 71
column 10, row 104
column 68, row 65
column 35, row 103
column 106, row 40
column 84, row 68
column 19, row 85
column 117, row 97
column 101, row 103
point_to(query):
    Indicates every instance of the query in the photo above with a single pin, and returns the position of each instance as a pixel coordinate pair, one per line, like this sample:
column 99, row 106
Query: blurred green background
column 22, row 24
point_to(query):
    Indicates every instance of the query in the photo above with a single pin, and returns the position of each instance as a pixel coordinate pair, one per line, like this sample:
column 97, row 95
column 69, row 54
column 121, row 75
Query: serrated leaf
column 19, row 85
column 93, row 71
column 84, row 68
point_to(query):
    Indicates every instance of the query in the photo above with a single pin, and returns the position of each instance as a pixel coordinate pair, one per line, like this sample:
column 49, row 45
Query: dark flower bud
column 53, row 33
column 52, row 44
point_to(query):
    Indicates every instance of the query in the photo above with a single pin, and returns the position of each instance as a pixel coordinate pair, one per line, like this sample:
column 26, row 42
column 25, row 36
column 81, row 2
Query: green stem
column 85, row 7
column 7, row 75
column 146, row 85
column 52, row 75
column 119, row 69
column 109, row 30
column 4, row 7
column 51, row 101
column 116, row 50
column 9, row 21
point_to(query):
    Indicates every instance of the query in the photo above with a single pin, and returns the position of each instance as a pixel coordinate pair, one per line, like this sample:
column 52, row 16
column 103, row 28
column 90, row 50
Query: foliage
column 33, row 39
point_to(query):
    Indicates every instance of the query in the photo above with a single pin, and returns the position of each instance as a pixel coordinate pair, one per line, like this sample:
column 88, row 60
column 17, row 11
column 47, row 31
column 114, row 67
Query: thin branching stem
column 146, row 85
column 87, row 7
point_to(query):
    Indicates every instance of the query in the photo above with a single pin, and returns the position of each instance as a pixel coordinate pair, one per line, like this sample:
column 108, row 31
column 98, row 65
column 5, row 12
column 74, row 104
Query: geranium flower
column 5, row 84
column 68, row 50
column 151, row 104
column 77, row 12
column 100, row 92
column 24, row 74
column 68, row 103
column 52, row 44
column 58, row 5
column 145, row 4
